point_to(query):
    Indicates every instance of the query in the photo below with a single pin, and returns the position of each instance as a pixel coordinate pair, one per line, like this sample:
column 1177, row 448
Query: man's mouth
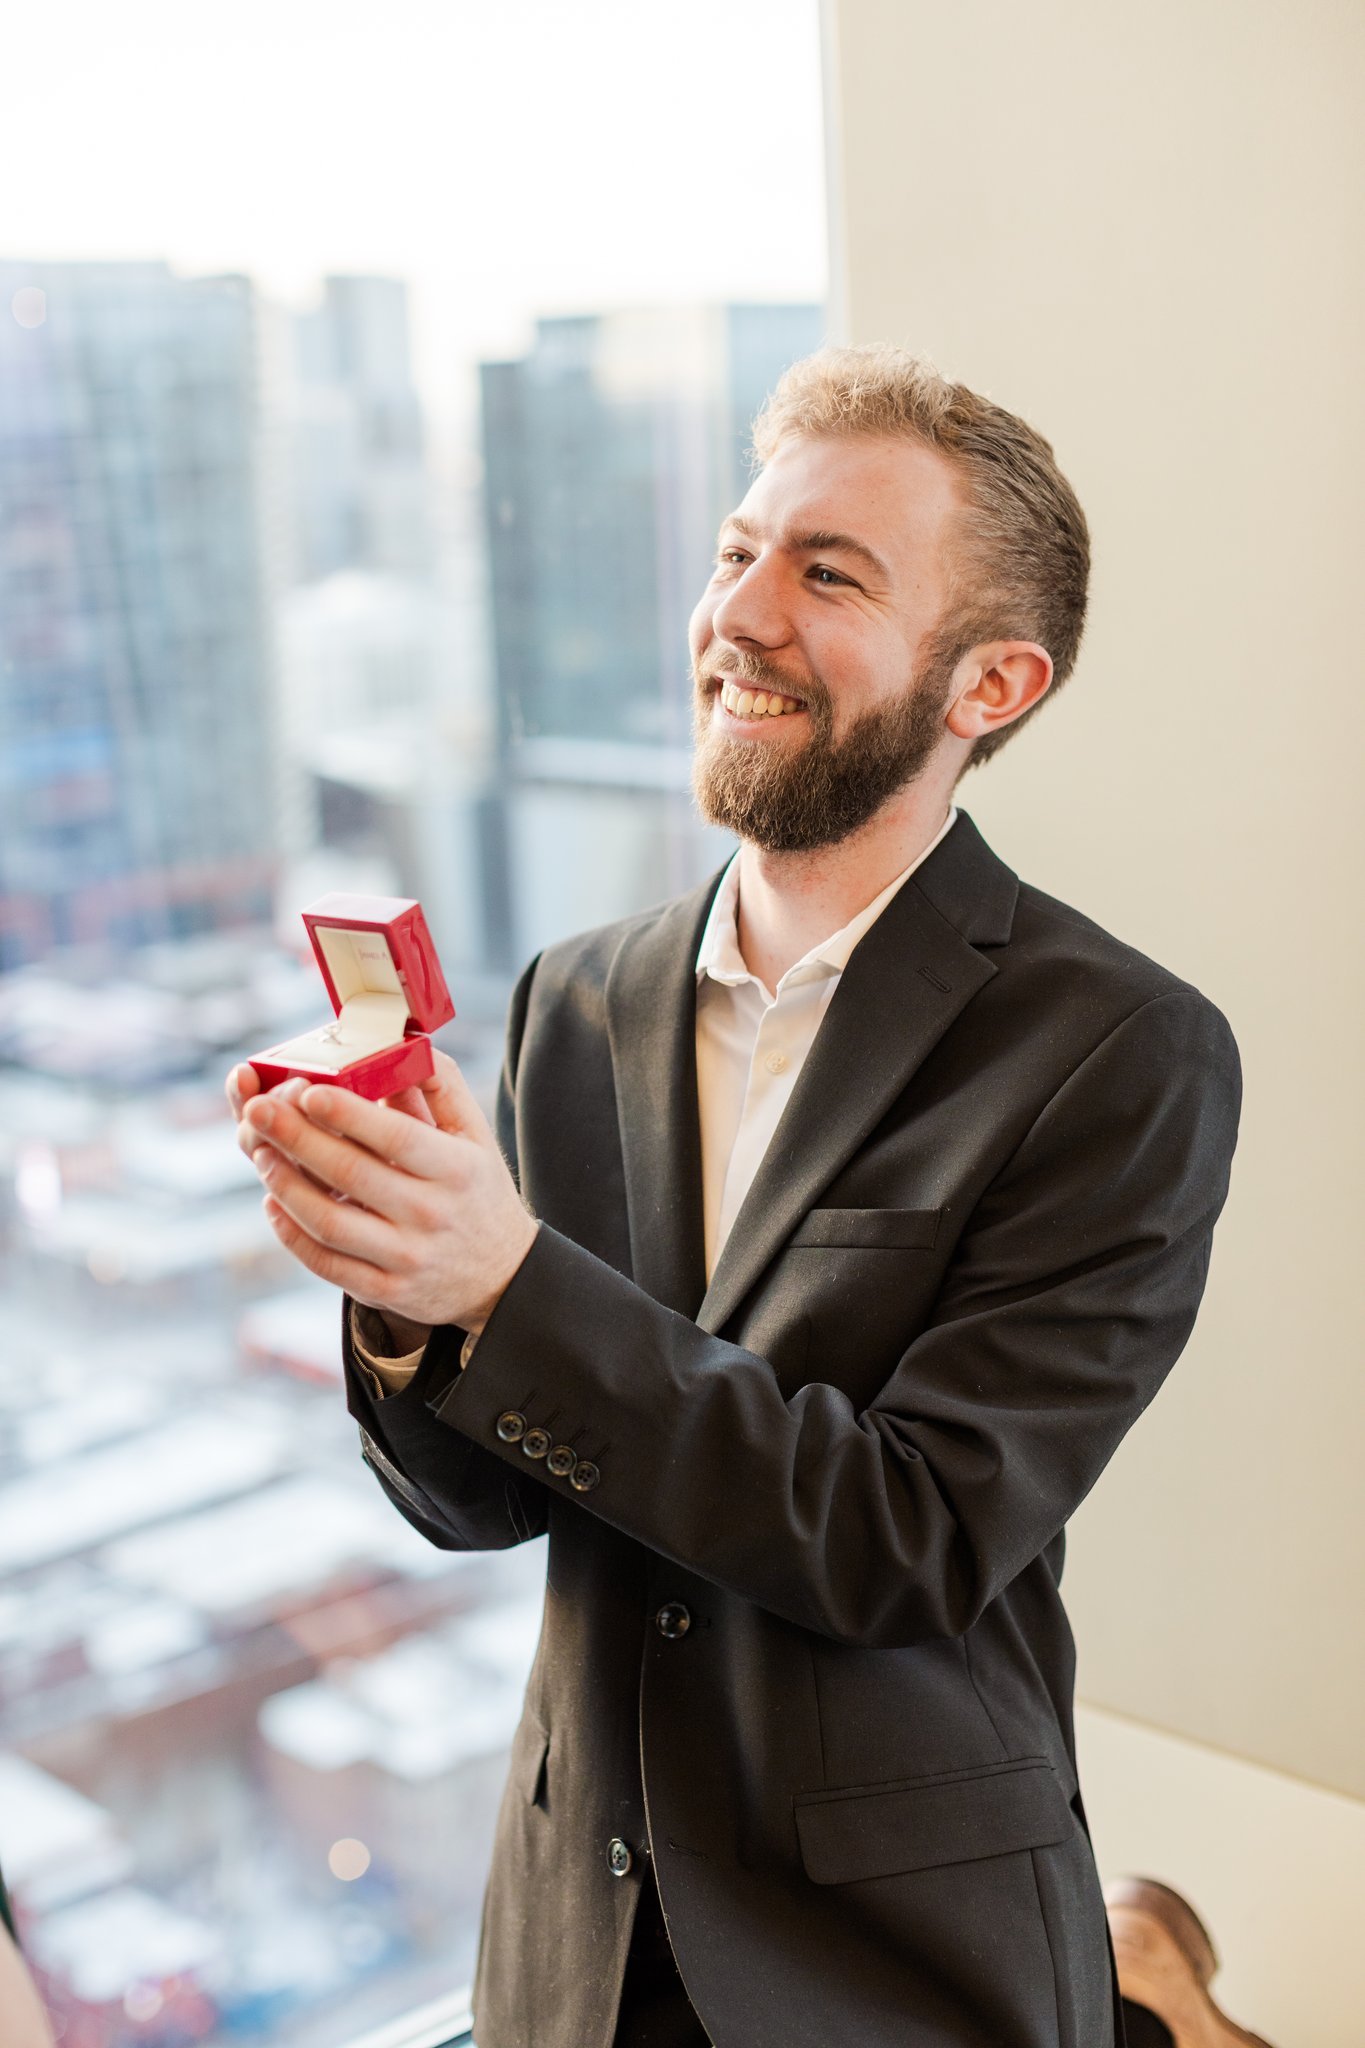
column 749, row 703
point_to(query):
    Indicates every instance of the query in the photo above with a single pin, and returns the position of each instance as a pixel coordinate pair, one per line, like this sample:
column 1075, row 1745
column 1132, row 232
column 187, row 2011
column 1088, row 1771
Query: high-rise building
column 383, row 700
column 135, row 717
column 612, row 451
column 360, row 485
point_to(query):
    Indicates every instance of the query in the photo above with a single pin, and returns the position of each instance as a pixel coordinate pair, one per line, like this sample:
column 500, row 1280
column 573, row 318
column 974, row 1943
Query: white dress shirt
column 751, row 1046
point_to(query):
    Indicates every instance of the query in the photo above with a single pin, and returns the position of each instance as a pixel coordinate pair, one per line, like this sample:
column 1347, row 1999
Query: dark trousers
column 655, row 2009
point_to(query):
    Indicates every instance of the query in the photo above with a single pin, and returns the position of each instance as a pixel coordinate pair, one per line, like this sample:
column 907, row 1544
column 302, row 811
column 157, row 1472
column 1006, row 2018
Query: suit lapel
column 651, row 998
column 904, row 985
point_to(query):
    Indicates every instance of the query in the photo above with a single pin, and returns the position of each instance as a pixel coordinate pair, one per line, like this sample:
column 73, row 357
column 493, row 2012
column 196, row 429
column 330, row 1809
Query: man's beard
column 792, row 799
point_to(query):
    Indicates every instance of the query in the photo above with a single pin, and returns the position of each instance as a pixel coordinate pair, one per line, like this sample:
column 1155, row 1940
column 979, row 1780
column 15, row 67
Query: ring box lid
column 376, row 954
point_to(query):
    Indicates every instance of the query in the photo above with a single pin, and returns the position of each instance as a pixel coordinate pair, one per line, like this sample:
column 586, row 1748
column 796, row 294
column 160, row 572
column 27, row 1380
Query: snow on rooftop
column 164, row 1472
column 415, row 1711
column 104, row 1410
column 124, row 1238
column 318, row 1726
column 122, row 1937
column 299, row 1331
column 197, row 1160
column 32, row 1106
column 502, row 1636
column 285, row 1539
column 58, row 1843
column 142, row 1636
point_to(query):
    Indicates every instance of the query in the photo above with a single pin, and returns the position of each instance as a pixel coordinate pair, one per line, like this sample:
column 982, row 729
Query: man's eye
column 826, row 576
column 727, row 557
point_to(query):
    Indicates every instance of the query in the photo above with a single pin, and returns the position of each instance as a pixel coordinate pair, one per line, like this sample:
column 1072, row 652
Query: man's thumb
column 451, row 1102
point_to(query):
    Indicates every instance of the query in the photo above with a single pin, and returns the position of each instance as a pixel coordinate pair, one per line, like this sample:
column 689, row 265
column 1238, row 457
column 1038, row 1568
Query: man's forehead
column 890, row 495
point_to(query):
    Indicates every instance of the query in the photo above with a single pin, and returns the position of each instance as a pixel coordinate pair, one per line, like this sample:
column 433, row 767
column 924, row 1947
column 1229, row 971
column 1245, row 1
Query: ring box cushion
column 388, row 992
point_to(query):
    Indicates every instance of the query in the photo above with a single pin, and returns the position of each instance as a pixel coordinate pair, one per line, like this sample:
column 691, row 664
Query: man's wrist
column 475, row 1324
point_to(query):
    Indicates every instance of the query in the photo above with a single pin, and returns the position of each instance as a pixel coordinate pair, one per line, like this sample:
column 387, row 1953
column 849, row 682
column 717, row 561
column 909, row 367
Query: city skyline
column 430, row 703
column 507, row 165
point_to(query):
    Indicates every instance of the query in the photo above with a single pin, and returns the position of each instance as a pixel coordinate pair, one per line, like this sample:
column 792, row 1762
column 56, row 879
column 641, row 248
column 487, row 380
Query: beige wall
column 1272, row 1865
column 1140, row 227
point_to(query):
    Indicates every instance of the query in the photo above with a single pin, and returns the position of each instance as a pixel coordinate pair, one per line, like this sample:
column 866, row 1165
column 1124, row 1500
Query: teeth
column 756, row 703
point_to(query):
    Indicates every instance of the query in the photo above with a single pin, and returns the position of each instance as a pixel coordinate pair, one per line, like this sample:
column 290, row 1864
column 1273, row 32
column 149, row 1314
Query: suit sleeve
column 1071, row 1293
column 480, row 1504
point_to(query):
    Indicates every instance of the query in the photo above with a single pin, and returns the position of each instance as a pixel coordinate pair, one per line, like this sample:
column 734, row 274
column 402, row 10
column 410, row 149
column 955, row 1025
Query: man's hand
column 410, row 1209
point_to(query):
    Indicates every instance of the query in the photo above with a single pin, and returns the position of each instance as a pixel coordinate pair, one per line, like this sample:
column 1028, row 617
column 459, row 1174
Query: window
column 364, row 427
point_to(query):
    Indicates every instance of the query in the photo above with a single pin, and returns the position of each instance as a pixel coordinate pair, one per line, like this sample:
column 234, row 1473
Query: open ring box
column 388, row 992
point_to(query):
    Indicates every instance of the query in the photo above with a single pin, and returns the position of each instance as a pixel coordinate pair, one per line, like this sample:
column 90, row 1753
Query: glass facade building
column 359, row 440
column 135, row 699
column 612, row 451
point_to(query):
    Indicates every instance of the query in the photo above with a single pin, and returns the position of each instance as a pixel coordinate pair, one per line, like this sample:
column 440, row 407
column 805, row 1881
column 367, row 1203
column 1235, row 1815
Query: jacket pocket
column 527, row 1769
column 924, row 1823
column 870, row 1229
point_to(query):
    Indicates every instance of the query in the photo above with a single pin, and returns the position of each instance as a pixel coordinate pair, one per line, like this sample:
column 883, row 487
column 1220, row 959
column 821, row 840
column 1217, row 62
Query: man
column 865, row 1200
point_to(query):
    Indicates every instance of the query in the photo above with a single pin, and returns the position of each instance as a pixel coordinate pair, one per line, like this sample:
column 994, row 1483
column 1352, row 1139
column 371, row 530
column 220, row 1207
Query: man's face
column 813, row 700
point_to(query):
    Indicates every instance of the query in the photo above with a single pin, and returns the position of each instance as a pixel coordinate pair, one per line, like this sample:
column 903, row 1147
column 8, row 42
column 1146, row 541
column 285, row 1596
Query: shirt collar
column 719, row 957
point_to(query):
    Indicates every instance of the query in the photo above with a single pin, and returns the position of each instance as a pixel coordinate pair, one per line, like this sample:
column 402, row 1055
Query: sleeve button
column 561, row 1460
column 535, row 1443
column 511, row 1427
column 584, row 1476
column 619, row 1856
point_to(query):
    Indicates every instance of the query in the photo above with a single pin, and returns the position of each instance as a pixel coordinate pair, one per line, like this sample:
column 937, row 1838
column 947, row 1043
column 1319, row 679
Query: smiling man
column 841, row 1218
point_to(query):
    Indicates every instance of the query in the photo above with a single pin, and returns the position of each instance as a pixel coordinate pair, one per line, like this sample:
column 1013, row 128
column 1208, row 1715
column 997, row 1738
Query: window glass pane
column 370, row 391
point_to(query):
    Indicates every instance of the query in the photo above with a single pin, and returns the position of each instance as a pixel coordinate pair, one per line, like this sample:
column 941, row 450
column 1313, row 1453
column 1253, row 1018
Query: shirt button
column 619, row 1857
column 511, row 1427
column 561, row 1460
column 584, row 1476
column 776, row 1063
column 535, row 1443
column 673, row 1620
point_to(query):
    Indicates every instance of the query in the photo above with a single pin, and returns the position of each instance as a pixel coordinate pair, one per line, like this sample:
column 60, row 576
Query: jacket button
column 619, row 1857
column 511, row 1427
column 673, row 1620
column 535, row 1443
column 584, row 1476
column 561, row 1460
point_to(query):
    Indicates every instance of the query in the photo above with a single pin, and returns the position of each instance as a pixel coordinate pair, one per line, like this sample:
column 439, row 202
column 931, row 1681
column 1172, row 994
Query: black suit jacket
column 972, row 1252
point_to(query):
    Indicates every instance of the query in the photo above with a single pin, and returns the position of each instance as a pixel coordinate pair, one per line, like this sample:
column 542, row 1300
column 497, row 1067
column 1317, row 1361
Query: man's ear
column 995, row 684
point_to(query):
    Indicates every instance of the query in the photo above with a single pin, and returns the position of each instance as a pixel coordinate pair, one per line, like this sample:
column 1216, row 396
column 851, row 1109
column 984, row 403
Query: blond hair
column 1022, row 560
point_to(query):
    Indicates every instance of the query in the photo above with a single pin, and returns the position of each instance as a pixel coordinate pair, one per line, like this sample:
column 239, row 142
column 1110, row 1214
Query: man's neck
column 789, row 902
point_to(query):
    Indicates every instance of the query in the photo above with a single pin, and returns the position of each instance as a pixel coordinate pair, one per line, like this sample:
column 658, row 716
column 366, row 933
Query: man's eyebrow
column 818, row 543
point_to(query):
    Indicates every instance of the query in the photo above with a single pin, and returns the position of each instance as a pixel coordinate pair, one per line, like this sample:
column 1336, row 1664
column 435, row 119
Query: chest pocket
column 846, row 1294
column 891, row 1230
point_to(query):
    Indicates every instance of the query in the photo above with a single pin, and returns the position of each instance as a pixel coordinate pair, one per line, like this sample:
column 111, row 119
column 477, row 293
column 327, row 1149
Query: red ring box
column 388, row 992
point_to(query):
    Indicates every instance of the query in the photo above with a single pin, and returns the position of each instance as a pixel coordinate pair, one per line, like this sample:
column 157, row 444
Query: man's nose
column 753, row 611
